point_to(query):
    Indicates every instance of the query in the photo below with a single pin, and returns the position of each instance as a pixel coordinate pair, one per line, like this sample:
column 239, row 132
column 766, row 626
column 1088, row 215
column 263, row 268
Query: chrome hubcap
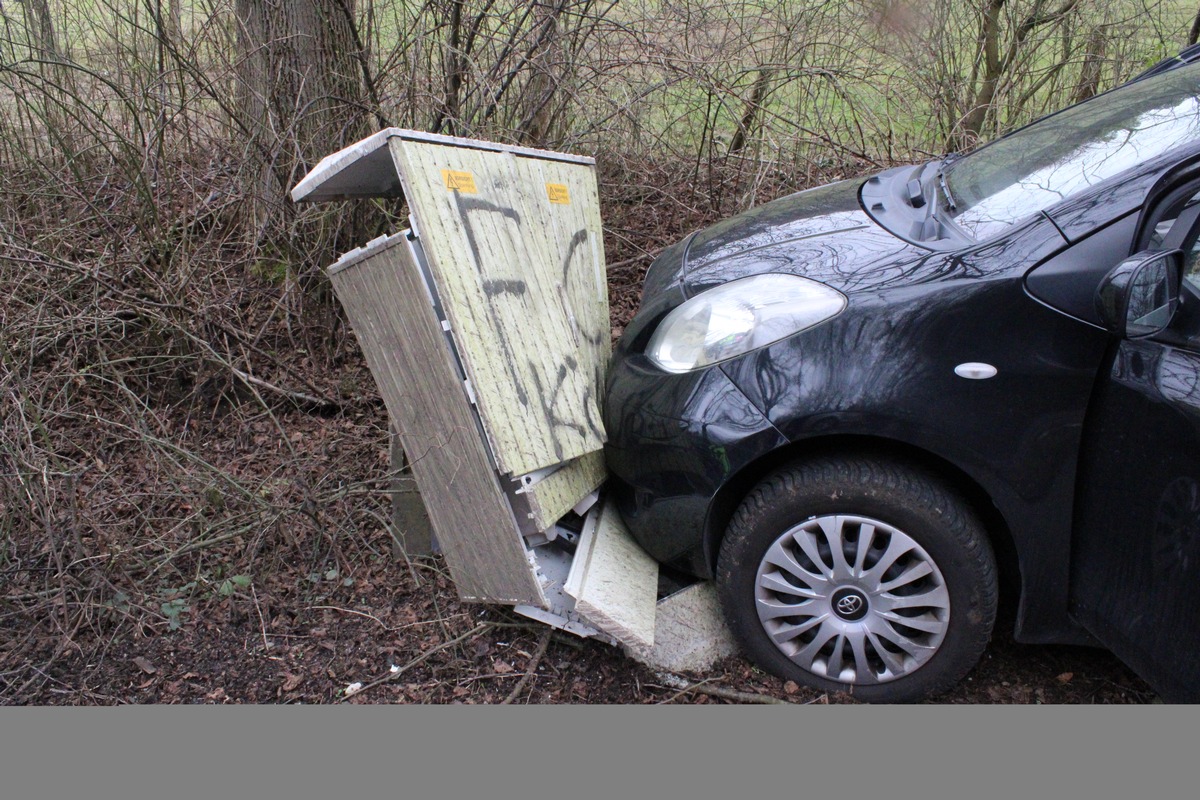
column 852, row 599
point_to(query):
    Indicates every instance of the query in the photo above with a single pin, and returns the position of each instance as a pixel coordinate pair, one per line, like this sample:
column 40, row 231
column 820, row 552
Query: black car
column 867, row 408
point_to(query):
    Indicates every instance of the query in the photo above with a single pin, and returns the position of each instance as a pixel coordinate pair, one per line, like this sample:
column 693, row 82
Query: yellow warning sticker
column 558, row 194
column 459, row 181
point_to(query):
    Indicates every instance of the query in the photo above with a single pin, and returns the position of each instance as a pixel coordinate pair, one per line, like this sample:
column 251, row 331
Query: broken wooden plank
column 366, row 168
column 614, row 581
column 516, row 269
column 557, row 493
column 386, row 301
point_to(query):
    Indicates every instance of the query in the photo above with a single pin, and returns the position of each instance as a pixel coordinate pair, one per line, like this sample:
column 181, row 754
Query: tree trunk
column 1089, row 73
column 545, row 76
column 1194, row 33
column 450, row 115
column 997, row 66
column 758, row 94
column 40, row 25
column 55, row 91
column 301, row 84
column 972, row 124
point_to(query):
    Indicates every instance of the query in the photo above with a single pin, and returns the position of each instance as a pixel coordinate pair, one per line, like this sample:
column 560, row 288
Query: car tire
column 903, row 614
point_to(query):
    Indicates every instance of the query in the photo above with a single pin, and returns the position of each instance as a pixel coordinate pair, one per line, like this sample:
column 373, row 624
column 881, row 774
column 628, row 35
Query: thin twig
column 736, row 696
column 649, row 255
column 352, row 611
column 261, row 621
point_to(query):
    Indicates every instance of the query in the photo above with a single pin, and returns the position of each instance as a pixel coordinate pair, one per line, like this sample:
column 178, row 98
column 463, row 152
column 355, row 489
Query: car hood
column 822, row 234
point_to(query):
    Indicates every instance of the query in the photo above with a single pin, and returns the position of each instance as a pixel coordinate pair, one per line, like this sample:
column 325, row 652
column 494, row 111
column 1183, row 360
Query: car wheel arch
column 731, row 494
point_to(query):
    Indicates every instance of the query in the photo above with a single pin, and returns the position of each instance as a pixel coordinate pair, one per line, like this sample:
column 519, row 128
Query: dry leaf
column 502, row 667
column 145, row 666
column 1066, row 677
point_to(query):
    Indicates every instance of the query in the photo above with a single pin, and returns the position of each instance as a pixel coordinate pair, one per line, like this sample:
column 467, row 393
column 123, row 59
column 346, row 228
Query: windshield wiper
column 936, row 223
column 945, row 187
column 941, row 179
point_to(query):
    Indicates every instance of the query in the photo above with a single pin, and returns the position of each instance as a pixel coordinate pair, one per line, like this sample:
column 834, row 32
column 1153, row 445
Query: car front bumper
column 673, row 442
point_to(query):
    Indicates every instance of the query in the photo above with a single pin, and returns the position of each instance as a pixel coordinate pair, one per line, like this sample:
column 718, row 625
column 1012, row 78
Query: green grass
column 690, row 97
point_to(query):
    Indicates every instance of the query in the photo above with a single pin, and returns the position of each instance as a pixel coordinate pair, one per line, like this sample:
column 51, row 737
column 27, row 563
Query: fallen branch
column 733, row 695
column 298, row 397
column 391, row 676
column 650, row 255
column 530, row 669
column 738, row 697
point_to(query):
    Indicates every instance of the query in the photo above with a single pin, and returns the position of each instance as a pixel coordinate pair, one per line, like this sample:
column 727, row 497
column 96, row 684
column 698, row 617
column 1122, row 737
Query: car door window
column 1191, row 263
column 1187, row 240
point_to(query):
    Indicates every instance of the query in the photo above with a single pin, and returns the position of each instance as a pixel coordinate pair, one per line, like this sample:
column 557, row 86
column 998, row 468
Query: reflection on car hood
column 821, row 234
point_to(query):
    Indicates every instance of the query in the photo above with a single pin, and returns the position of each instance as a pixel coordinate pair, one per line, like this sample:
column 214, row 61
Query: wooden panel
column 364, row 169
column 570, row 237
column 558, row 493
column 388, row 306
column 513, row 270
column 414, row 534
column 614, row 581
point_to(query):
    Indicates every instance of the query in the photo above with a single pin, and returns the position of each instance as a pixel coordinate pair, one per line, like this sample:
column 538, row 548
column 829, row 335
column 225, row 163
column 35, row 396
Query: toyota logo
column 849, row 605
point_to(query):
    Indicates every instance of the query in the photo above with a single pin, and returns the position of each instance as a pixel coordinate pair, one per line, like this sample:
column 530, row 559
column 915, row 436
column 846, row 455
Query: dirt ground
column 387, row 633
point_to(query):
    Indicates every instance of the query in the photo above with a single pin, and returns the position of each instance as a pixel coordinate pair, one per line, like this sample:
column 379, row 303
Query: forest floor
column 388, row 632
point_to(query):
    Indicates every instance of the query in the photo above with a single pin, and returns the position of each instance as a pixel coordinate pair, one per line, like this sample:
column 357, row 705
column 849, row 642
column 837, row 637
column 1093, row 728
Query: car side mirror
column 1139, row 296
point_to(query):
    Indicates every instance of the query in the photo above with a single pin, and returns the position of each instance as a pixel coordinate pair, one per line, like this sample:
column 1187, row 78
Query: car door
column 1135, row 561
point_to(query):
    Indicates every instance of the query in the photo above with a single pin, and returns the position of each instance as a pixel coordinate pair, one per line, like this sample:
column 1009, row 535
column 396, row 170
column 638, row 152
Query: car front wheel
column 859, row 575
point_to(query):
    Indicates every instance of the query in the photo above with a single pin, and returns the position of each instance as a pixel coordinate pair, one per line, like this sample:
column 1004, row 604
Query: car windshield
column 1066, row 153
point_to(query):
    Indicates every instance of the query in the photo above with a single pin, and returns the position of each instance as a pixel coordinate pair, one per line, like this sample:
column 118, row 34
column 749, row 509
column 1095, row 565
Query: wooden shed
column 486, row 327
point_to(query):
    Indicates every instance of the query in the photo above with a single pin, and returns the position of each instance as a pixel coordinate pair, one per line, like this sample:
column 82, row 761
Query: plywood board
column 388, row 306
column 514, row 244
column 614, row 581
column 559, row 492
column 690, row 634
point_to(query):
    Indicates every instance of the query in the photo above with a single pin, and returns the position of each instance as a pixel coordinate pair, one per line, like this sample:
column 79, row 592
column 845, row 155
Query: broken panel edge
column 366, row 168
column 614, row 581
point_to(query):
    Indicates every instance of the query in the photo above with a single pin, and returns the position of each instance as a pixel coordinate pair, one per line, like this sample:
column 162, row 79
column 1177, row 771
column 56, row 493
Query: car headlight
column 738, row 317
